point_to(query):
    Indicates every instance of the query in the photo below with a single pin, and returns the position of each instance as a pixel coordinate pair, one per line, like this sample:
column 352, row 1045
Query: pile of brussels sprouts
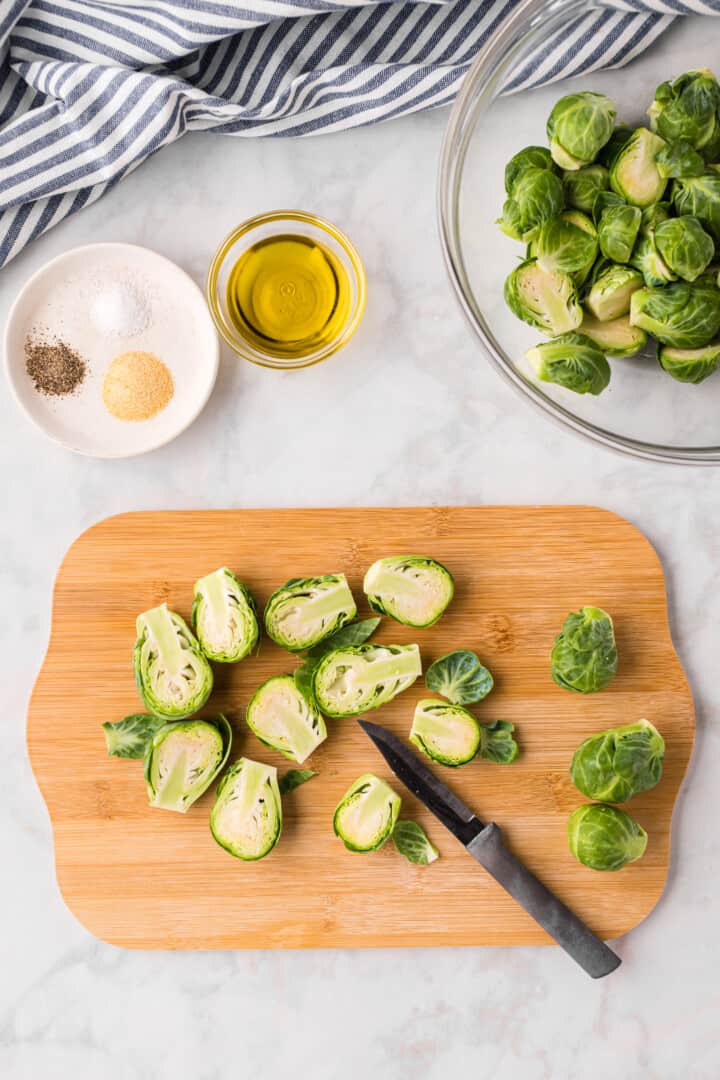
column 622, row 230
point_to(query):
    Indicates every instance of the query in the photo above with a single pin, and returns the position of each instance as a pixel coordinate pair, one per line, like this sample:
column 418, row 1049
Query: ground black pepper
column 55, row 367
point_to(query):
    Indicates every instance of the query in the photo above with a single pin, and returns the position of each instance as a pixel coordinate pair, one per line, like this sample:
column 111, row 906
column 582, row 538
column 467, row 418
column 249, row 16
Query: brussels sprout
column 689, row 109
column 618, row 229
column 699, row 196
column 128, row 738
column 411, row 841
column 283, row 719
column 617, row 337
column 621, row 134
column 647, row 260
column 584, row 185
column 572, row 361
column 303, row 611
column 183, row 758
column 246, row 818
column 617, row 764
column 537, row 194
column 611, row 291
column 354, row 633
column 684, row 316
column 605, row 837
column 578, row 127
column 547, row 301
column 678, row 159
column 412, row 589
column 584, row 655
column 684, row 246
column 173, row 677
column 567, row 243
column 355, row 679
column 224, row 617
column 689, row 365
column 634, row 173
column 460, row 677
column 365, row 816
column 537, row 157
column 446, row 733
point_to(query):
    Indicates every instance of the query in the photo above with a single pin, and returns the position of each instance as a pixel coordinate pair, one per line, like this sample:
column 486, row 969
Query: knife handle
column 558, row 921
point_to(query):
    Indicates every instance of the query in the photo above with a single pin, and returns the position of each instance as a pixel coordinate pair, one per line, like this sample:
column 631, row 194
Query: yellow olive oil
column 288, row 295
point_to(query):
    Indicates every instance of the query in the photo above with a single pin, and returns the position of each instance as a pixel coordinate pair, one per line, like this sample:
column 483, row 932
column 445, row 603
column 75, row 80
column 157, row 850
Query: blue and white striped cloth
column 90, row 88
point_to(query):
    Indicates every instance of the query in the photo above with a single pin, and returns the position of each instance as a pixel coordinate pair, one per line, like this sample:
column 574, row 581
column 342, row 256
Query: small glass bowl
column 278, row 223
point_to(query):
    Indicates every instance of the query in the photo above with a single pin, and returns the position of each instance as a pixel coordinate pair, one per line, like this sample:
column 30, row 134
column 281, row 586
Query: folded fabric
column 90, row 88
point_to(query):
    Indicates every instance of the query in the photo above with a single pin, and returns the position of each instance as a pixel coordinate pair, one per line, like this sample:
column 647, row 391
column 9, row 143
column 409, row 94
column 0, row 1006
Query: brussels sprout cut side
column 572, row 361
column 365, row 816
column 183, row 758
column 460, row 677
column 353, row 680
column 547, row 300
column 605, row 837
column 246, row 818
column 446, row 733
column 584, row 656
column 689, row 365
column 617, row 337
column 173, row 676
column 412, row 589
column 283, row 719
column 634, row 173
column 617, row 764
column 578, row 127
column 305, row 610
column 224, row 618
column 611, row 292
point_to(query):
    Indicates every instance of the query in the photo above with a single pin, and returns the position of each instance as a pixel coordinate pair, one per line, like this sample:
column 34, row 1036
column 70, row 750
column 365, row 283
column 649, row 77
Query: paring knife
column 485, row 844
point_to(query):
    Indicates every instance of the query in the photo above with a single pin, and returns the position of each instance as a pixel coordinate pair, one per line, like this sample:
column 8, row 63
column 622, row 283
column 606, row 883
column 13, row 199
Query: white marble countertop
column 73, row 1007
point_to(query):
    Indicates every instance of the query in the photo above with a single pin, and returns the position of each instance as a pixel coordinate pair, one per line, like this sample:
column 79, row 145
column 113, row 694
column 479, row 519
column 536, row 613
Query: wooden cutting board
column 146, row 878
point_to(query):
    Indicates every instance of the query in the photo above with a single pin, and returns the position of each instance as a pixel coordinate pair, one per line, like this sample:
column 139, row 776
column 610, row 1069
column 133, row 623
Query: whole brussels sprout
column 617, row 337
column 172, row 674
column 617, row 764
column 678, row 159
column 689, row 109
column 537, row 195
column 582, row 186
column 684, row 246
column 618, row 228
column 547, row 301
column 539, row 157
column 634, row 173
column 605, row 837
column 699, row 196
column 611, row 291
column 578, row 127
column 572, row 361
column 684, row 316
column 584, row 655
column 566, row 243
column 689, row 365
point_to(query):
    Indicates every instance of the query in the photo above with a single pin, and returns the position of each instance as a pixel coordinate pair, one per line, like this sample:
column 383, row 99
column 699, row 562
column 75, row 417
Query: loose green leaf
column 497, row 743
column 128, row 738
column 411, row 841
column 460, row 677
column 294, row 778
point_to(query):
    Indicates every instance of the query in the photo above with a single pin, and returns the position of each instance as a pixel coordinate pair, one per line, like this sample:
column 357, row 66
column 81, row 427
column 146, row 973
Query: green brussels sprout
column 537, row 157
column 566, row 243
column 617, row 764
column 246, row 818
column 547, row 301
column 689, row 365
column 605, row 837
column 128, row 738
column 460, row 677
column 634, row 173
column 537, row 195
column 446, row 733
column 411, row 840
column 621, row 134
column 172, row 674
column 684, row 316
column 584, row 655
column 647, row 260
column 497, row 743
column 224, row 617
column 578, row 127
column 354, row 633
column 678, row 159
column 653, row 215
column 412, row 589
column 617, row 338
column 354, row 679
column 303, row 611
column 572, row 361
column 282, row 718
column 365, row 816
column 618, row 227
column 699, row 196
column 582, row 186
column 611, row 291
column 183, row 758
column 689, row 109
column 684, row 246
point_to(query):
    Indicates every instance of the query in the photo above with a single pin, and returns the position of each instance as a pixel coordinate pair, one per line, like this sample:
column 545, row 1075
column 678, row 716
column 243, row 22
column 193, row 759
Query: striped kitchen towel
column 90, row 88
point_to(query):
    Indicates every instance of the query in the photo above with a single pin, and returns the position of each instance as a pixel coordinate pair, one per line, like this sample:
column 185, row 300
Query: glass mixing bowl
column 643, row 412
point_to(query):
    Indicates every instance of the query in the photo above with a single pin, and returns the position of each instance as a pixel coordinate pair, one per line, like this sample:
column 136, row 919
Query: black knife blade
column 485, row 844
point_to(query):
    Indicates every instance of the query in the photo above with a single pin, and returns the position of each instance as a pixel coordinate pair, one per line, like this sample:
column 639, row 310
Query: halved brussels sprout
column 353, row 680
column 566, row 243
column 634, row 173
column 699, row 196
column 578, row 127
column 689, row 365
column 689, row 109
column 129, row 737
column 618, row 227
column 605, row 837
column 611, row 291
column 446, row 733
column 460, row 677
column 183, row 758
column 684, row 246
column 572, row 361
column 412, row 589
column 617, row 338
column 617, row 764
column 582, row 186
column 303, row 611
column 224, row 617
column 536, row 195
column 547, row 301
column 172, row 674
column 365, row 816
column 282, row 718
column 246, row 818
column 684, row 316
column 678, row 159
column 584, row 655
column 537, row 157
